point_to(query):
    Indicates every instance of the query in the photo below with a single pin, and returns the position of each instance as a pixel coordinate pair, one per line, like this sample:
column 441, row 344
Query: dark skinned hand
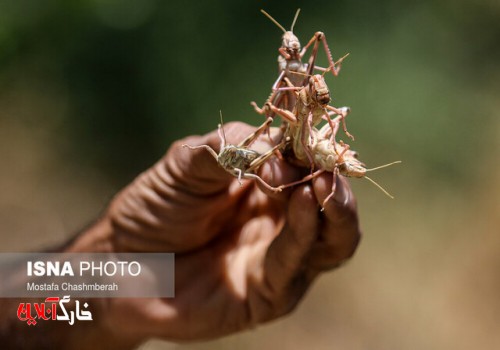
column 243, row 257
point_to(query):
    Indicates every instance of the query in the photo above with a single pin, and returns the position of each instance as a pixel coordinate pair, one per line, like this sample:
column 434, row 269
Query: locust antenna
column 380, row 187
column 295, row 19
column 300, row 73
column 273, row 20
column 384, row 166
column 342, row 58
column 327, row 70
column 376, row 184
column 222, row 134
column 334, row 64
column 310, row 75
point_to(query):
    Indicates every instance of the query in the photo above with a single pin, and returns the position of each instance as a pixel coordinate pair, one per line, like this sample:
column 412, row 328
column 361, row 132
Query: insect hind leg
column 207, row 147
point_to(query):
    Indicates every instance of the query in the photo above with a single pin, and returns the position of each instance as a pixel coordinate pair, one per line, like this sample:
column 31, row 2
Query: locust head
column 290, row 43
column 352, row 167
column 348, row 163
column 319, row 90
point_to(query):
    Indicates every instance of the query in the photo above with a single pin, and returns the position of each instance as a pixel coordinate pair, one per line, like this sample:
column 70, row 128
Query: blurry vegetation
column 129, row 77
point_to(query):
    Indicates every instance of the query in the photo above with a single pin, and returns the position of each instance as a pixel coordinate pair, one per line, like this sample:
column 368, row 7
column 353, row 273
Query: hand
column 243, row 257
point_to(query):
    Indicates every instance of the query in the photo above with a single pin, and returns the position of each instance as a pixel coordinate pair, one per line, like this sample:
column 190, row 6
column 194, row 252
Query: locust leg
column 208, row 148
column 290, row 117
column 304, row 179
column 278, row 81
column 287, row 115
column 240, row 174
column 276, row 96
column 333, row 127
column 273, row 96
column 289, row 97
column 259, row 110
column 343, row 114
column 326, row 130
column 329, row 131
column 253, row 136
column 335, row 122
column 337, row 63
column 305, row 140
column 254, row 165
column 274, row 99
column 334, row 187
column 317, row 37
column 258, row 162
column 265, row 184
column 312, row 176
column 263, row 157
column 243, row 175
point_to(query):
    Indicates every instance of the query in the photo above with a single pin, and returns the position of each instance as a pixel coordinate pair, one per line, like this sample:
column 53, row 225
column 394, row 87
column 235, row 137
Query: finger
column 169, row 193
column 284, row 271
column 340, row 233
column 276, row 172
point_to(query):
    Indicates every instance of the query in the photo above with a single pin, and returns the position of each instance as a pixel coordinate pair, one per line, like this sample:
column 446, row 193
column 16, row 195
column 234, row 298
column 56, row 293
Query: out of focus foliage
column 117, row 81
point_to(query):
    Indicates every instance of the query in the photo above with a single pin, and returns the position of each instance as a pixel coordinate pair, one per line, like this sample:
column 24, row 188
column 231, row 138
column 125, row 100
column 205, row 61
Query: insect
column 312, row 106
column 290, row 61
column 239, row 160
column 334, row 158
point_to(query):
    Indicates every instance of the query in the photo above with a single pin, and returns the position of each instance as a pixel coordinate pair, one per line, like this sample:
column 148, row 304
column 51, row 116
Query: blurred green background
column 92, row 92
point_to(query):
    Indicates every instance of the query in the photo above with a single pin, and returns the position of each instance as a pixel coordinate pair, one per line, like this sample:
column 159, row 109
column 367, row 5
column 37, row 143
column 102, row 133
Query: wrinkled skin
column 243, row 257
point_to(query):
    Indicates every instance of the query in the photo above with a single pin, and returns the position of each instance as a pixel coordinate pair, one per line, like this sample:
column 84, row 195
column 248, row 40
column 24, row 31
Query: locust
column 311, row 107
column 290, row 61
column 336, row 158
column 239, row 160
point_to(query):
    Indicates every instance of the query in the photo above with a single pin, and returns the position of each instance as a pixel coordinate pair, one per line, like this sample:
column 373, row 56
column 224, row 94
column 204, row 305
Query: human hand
column 243, row 257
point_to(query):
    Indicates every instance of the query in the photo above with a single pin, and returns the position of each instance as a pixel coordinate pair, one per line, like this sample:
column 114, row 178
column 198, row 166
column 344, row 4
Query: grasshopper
column 239, row 160
column 290, row 61
column 312, row 106
column 327, row 157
